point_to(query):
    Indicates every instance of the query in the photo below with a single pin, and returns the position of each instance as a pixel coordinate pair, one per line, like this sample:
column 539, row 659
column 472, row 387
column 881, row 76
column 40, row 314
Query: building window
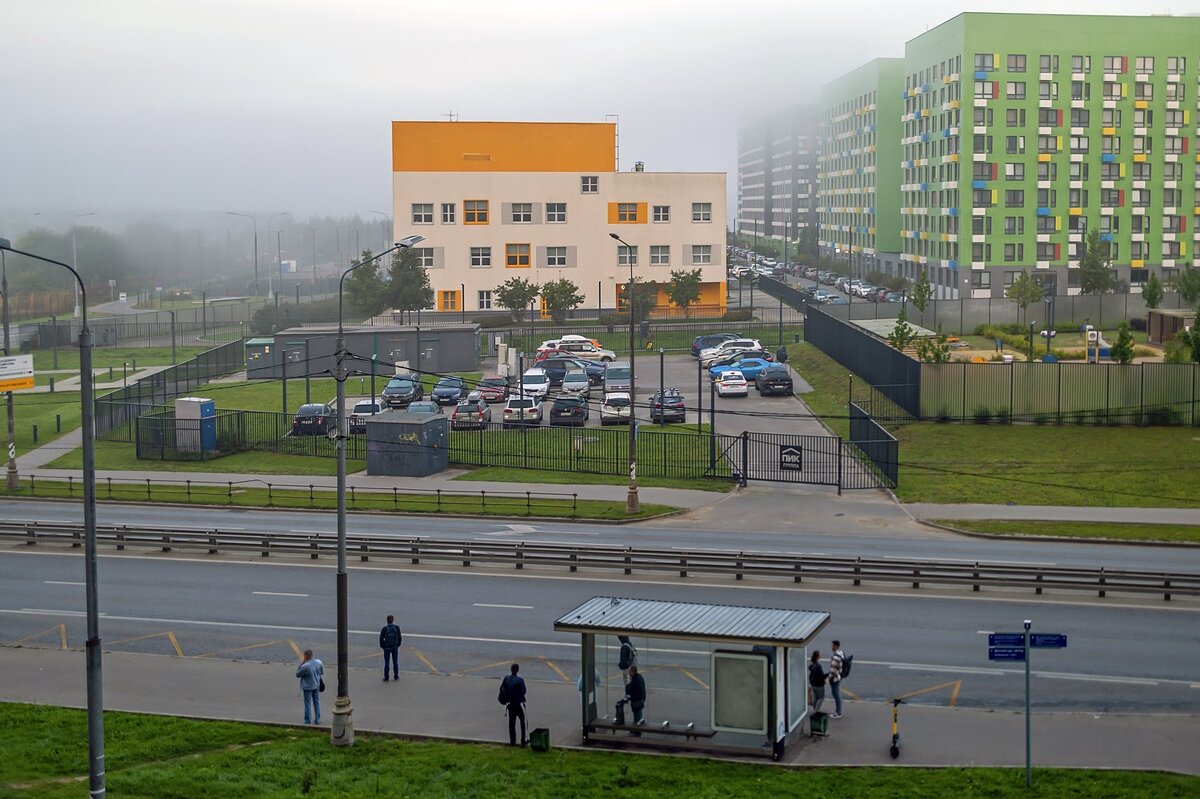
column 1078, row 170
column 1015, row 89
column 1111, row 117
column 1048, row 63
column 982, row 170
column 662, row 213
column 516, row 256
column 1172, row 224
column 701, row 212
column 1141, row 224
column 1143, row 91
column 1110, row 224
column 1014, row 171
column 1173, row 118
column 1045, row 251
column 1144, row 65
column 1014, row 145
column 1080, row 117
column 1014, row 225
column 589, row 184
column 1077, row 198
column 1081, row 63
column 475, row 212
column 983, row 116
column 1048, row 224
column 1010, row 278
column 1110, row 198
column 424, row 256
column 985, row 62
column 1081, row 90
column 522, row 213
column 1015, row 117
column 1112, row 90
column 1173, row 144
column 1014, row 198
column 701, row 254
column 422, row 213
column 1014, row 253
column 981, row 198
column 1176, row 91
column 1171, row 249
column 627, row 212
column 1114, row 63
column 1079, row 144
column 1142, row 171
column 983, row 89
column 556, row 256
column 447, row 300
column 981, row 251
column 626, row 256
column 1047, row 170
column 1110, row 145
column 981, row 225
column 981, row 279
column 1048, row 90
column 1176, row 65
column 484, row 300
column 660, row 255
column 1172, row 198
column 1111, row 171
column 556, row 212
column 481, row 257
column 1047, row 144
column 1047, row 117
column 1016, row 63
column 447, row 213
column 1143, row 145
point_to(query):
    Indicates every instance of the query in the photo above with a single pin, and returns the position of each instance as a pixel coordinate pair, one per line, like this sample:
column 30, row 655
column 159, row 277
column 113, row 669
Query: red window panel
column 995, row 171
column 1120, row 198
column 1060, row 117
column 1185, row 145
column 1057, row 251
column 1183, row 224
column 1124, row 64
column 995, row 89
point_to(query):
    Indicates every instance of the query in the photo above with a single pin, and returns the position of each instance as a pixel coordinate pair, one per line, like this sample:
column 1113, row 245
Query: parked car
column 895, row 296
column 580, row 347
column 400, row 391
column 820, row 294
column 747, row 367
column 701, row 343
column 449, row 390
column 535, row 382
column 668, row 406
column 618, row 377
column 774, row 380
column 738, row 355
column 732, row 384
column 522, row 410
column 576, row 383
column 569, row 410
column 424, row 406
column 837, row 300
column 312, row 419
column 558, row 366
column 360, row 411
column 471, row 412
column 718, row 350
column 616, row 409
column 493, row 388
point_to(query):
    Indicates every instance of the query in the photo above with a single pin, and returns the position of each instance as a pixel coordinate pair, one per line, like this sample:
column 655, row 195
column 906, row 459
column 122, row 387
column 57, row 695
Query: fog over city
column 133, row 106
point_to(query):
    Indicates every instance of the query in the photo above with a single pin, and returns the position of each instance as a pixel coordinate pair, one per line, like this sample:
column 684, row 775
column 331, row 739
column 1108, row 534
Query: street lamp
column 75, row 254
column 95, row 698
column 274, row 272
column 386, row 219
column 342, row 731
column 12, row 480
column 631, row 498
column 255, row 221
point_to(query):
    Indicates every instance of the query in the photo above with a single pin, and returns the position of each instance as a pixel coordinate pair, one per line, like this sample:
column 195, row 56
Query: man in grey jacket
column 310, row 671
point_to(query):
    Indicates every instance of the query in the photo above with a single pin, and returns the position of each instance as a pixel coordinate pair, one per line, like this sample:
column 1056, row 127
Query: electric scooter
column 895, row 750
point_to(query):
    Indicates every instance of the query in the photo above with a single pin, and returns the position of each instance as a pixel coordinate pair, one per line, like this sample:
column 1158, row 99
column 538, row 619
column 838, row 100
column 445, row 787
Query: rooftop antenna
column 452, row 115
column 616, row 118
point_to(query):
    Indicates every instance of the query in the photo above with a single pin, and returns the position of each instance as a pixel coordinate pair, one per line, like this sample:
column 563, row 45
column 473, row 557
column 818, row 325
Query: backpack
column 628, row 656
column 846, row 662
column 503, row 697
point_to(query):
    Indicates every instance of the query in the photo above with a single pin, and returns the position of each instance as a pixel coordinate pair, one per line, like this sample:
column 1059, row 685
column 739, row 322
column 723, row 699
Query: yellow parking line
column 428, row 663
column 851, row 694
column 237, row 649
column 693, row 677
column 485, row 666
column 956, row 684
column 555, row 669
column 175, row 643
column 62, row 634
column 295, row 648
column 170, row 636
column 954, row 696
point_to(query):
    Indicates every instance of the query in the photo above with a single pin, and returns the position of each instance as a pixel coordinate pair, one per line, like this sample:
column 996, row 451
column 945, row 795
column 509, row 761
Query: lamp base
column 341, row 732
column 632, row 505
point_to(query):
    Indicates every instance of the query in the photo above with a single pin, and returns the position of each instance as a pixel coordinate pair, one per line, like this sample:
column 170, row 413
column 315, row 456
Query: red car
column 493, row 389
column 550, row 353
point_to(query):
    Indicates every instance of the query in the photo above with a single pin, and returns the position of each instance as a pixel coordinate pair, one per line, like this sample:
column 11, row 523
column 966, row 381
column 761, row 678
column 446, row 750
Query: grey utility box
column 402, row 444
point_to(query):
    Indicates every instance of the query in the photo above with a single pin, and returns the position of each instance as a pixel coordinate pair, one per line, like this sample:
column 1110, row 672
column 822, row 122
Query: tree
column 807, row 244
column 1188, row 286
column 515, row 294
column 408, row 288
column 934, row 350
column 922, row 292
column 1152, row 292
column 1095, row 265
column 560, row 297
column 366, row 291
column 683, row 288
column 645, row 297
column 1023, row 291
column 1122, row 349
column 902, row 334
column 1184, row 347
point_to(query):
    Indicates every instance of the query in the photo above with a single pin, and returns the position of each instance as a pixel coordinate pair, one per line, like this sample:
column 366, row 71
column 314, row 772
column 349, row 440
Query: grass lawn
column 1116, row 531
column 41, row 410
column 103, row 357
column 165, row 758
column 119, row 456
column 1023, row 464
column 506, row 475
column 267, row 395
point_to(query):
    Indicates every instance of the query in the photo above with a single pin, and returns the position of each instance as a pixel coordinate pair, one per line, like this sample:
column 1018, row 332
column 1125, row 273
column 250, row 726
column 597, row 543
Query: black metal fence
column 795, row 297
column 876, row 443
column 895, row 374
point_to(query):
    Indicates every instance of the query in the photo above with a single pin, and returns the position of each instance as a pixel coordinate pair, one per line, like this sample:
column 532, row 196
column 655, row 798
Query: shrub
column 1138, row 323
column 737, row 315
column 615, row 319
column 982, row 415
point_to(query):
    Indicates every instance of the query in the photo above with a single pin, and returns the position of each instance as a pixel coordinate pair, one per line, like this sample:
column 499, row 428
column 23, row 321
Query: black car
column 400, row 391
column 730, row 360
column 667, row 406
column 569, row 411
column 774, row 380
column 558, row 365
column 449, row 390
column 702, row 343
column 312, row 420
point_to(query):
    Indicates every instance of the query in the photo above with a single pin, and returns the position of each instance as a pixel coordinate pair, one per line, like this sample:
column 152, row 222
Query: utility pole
column 13, row 480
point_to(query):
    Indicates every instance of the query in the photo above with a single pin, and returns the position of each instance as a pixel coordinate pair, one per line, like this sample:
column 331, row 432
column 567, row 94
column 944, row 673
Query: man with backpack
column 627, row 658
column 389, row 642
column 839, row 669
column 512, row 696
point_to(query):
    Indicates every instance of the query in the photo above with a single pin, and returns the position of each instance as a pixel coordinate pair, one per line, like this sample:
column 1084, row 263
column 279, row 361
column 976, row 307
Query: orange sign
column 16, row 372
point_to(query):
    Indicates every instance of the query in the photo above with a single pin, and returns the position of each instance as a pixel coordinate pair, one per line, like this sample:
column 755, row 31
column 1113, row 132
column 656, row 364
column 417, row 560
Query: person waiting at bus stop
column 635, row 694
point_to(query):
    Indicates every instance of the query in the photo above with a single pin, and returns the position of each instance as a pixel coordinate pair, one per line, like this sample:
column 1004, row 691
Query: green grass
column 104, row 357
column 41, row 410
column 212, row 492
column 119, row 456
column 267, row 395
column 1114, row 531
column 505, row 474
column 174, row 758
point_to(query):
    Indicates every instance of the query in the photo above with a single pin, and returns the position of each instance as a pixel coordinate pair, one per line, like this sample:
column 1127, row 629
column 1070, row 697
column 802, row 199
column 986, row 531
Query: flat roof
column 883, row 328
column 698, row 621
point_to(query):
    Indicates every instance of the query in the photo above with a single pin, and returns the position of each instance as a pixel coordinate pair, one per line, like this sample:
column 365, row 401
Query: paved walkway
column 1056, row 513
column 465, row 708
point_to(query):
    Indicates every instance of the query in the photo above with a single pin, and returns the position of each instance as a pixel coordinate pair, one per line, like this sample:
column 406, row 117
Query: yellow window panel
column 1137, row 263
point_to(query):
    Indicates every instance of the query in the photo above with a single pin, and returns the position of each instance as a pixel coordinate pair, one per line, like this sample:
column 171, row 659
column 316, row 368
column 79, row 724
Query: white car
column 575, row 383
column 719, row 351
column 732, row 384
column 522, row 410
column 617, row 408
column 359, row 413
column 535, row 383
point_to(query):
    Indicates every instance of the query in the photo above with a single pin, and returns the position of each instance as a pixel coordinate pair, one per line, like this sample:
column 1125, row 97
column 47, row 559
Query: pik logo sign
column 790, row 458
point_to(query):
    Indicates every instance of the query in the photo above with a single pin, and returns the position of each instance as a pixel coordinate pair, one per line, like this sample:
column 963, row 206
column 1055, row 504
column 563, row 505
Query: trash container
column 539, row 740
column 819, row 724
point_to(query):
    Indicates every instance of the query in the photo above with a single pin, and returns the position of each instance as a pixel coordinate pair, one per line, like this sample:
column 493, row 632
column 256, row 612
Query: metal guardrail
column 519, row 555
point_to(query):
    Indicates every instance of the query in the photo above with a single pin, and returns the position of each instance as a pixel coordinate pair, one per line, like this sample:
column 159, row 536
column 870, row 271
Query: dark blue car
column 705, row 342
column 558, row 365
column 449, row 390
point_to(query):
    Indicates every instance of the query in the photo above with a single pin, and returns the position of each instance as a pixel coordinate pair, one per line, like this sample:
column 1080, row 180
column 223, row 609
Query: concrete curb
column 1057, row 539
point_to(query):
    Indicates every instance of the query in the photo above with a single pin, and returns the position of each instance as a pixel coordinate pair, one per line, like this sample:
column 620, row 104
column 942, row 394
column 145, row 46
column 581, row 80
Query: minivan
column 618, row 377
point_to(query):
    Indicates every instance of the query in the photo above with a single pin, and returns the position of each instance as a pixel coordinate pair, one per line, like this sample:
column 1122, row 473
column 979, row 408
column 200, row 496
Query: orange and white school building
column 538, row 200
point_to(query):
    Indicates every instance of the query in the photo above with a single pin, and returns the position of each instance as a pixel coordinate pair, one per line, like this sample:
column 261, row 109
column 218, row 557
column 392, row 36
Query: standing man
column 512, row 696
column 627, row 658
column 635, row 694
column 836, row 659
column 310, row 671
column 816, row 682
column 389, row 642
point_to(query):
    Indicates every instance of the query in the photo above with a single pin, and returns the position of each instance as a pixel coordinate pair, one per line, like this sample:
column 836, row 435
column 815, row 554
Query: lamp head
column 409, row 241
column 5, row 244
column 615, row 236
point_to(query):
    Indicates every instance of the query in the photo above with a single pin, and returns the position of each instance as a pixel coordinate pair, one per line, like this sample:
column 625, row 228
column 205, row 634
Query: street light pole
column 255, row 221
column 341, row 732
column 75, row 254
column 12, row 480
column 95, row 684
column 279, row 254
column 386, row 219
column 632, row 505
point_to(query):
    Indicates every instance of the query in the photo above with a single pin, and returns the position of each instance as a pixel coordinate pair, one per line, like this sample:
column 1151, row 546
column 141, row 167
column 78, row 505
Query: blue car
column 449, row 390
column 749, row 367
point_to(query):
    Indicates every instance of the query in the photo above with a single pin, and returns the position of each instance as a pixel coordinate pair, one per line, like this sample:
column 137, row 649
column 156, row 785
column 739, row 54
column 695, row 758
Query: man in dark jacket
column 512, row 696
column 635, row 694
column 389, row 642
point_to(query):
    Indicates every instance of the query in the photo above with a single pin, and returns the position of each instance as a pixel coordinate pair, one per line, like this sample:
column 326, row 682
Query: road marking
column 1092, row 678
column 976, row 560
column 276, row 593
column 514, row 607
column 313, row 532
column 985, row 632
column 61, row 582
column 951, row 669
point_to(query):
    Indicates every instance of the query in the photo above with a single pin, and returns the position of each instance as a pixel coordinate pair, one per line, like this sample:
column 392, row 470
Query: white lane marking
column 514, row 607
column 61, row 582
column 1095, row 678
column 949, row 669
column 985, row 632
column 982, row 561
column 49, row 612
column 310, row 531
column 275, row 593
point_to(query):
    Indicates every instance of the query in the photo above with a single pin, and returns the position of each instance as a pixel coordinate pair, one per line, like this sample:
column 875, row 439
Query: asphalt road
column 1119, row 658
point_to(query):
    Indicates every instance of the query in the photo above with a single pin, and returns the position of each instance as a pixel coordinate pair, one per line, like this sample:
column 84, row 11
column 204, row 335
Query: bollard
column 52, row 384
column 35, row 434
column 58, row 423
column 110, row 374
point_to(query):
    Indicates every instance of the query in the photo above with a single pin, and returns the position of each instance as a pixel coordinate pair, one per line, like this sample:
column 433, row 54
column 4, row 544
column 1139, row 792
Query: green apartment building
column 859, row 166
column 1019, row 132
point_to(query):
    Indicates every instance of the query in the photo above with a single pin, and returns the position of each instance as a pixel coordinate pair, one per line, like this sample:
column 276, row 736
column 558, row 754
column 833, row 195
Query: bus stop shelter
column 723, row 677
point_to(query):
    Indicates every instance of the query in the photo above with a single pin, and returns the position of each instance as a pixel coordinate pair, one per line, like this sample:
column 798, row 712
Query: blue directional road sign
column 1048, row 640
column 1006, row 653
column 1007, row 639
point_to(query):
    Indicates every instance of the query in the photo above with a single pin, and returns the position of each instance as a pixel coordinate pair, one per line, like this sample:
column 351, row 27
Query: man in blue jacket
column 310, row 671
column 512, row 696
column 389, row 642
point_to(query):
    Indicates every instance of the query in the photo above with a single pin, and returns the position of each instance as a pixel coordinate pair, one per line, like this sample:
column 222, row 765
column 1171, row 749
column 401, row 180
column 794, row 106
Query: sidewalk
column 464, row 708
column 1056, row 513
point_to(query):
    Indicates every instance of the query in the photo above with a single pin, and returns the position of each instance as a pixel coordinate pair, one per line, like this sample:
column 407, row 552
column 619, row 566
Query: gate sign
column 1010, row 653
column 1048, row 640
column 1007, row 639
column 790, row 457
column 16, row 372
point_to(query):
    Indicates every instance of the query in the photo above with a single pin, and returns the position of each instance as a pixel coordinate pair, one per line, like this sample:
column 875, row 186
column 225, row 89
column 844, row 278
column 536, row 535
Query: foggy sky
column 166, row 104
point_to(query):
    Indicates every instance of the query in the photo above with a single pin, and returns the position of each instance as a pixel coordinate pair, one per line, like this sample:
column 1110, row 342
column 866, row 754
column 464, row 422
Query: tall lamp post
column 12, row 480
column 341, row 733
column 75, row 254
column 255, row 221
column 95, row 698
column 274, row 273
column 631, row 498
column 386, row 219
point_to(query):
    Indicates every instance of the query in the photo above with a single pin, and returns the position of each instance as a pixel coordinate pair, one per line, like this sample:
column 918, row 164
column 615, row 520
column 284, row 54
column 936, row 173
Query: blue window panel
column 981, row 76
column 1108, row 158
column 1043, row 212
column 954, row 212
column 1106, row 237
column 953, row 264
column 979, row 184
